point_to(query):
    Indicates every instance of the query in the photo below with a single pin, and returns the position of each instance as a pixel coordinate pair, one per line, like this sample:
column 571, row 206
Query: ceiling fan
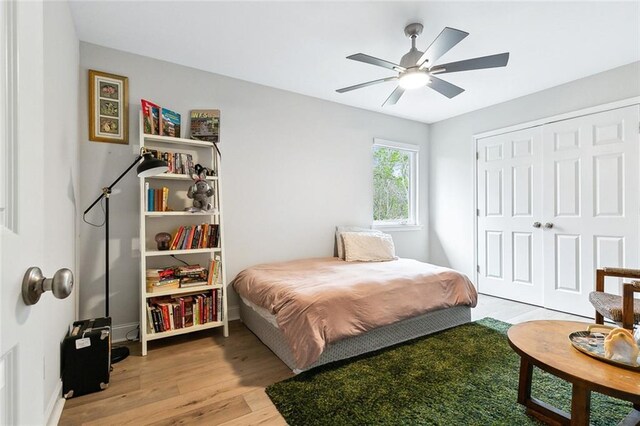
column 417, row 69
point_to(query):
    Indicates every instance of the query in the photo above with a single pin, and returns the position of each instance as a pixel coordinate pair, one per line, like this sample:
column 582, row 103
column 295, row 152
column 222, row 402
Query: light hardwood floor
column 203, row 378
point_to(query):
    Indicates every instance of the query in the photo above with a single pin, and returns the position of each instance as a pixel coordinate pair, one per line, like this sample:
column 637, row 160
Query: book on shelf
column 176, row 238
column 179, row 163
column 205, row 125
column 161, row 279
column 188, row 283
column 182, row 276
column 150, row 322
column 157, row 198
column 214, row 275
column 165, row 313
column 150, row 117
column 190, row 237
column 169, row 123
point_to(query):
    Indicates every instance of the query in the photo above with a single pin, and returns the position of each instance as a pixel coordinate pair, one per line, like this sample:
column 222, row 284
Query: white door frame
column 540, row 122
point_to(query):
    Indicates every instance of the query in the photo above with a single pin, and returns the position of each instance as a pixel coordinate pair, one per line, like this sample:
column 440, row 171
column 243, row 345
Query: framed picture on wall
column 108, row 107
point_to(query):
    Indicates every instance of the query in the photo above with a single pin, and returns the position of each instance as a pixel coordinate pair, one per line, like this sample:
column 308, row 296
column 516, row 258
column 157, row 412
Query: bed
column 310, row 312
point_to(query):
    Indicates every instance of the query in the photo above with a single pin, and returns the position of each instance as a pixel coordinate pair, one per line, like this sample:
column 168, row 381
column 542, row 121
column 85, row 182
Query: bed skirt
column 370, row 341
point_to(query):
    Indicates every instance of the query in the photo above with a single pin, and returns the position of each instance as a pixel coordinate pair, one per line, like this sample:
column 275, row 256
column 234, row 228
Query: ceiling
column 301, row 46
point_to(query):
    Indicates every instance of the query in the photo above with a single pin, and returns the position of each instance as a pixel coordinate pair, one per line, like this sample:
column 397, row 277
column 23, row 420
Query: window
column 395, row 183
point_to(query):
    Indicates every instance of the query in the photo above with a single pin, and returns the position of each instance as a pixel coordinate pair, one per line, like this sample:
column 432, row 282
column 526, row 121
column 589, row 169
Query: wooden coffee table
column 546, row 345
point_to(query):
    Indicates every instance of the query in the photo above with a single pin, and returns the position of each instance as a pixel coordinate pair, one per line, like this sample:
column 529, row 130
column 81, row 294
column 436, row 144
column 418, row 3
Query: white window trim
column 413, row 194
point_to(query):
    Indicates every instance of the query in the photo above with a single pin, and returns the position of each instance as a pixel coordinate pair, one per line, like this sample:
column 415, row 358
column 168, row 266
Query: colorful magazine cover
column 169, row 123
column 205, row 125
column 150, row 117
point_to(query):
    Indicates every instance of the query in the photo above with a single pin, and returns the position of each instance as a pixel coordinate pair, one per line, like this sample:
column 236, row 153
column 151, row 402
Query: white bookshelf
column 153, row 222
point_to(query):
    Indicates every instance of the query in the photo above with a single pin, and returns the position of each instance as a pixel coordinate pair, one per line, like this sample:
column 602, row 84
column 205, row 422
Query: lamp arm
column 107, row 190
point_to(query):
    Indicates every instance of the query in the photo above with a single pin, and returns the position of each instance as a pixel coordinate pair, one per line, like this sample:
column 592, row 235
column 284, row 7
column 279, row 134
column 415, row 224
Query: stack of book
column 190, row 237
column 191, row 275
column 161, row 279
column 183, row 276
column 174, row 312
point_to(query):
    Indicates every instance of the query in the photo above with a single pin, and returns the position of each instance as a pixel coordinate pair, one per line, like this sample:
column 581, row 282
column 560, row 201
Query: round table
column 546, row 345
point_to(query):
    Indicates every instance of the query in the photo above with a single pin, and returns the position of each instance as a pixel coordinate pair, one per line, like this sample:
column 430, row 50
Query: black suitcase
column 86, row 357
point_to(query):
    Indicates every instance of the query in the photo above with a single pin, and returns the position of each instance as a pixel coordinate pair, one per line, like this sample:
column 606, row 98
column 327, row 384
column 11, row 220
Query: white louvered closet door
column 509, row 211
column 591, row 209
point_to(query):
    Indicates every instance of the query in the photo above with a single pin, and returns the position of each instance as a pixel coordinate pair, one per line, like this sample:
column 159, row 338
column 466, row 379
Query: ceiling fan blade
column 444, row 87
column 394, row 96
column 368, row 83
column 445, row 41
column 375, row 61
column 491, row 61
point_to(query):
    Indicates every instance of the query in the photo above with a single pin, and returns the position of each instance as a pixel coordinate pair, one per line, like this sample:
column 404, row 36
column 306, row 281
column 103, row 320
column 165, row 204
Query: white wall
column 294, row 168
column 61, row 61
column 452, row 154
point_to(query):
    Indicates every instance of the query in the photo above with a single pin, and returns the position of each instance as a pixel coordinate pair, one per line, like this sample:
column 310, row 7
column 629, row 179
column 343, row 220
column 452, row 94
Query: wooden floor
column 203, row 378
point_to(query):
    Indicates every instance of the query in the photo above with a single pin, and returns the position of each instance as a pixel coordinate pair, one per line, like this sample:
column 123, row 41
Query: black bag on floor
column 86, row 357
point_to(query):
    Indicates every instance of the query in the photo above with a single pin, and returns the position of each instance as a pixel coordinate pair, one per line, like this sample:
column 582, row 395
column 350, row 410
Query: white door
column 22, row 327
column 591, row 187
column 509, row 205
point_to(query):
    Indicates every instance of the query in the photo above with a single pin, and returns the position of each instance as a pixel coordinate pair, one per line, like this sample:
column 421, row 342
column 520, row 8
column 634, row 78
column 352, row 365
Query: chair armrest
column 601, row 273
column 627, row 303
column 621, row 272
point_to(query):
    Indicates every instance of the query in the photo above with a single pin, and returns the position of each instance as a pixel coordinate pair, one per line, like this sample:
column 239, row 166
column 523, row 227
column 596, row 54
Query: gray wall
column 452, row 154
column 294, row 168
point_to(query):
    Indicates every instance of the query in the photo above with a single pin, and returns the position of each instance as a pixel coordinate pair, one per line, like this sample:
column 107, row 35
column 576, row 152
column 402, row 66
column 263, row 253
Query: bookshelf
column 154, row 222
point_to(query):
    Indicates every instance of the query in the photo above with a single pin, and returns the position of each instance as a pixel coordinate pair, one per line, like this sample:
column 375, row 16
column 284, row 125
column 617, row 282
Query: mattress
column 261, row 323
column 262, row 312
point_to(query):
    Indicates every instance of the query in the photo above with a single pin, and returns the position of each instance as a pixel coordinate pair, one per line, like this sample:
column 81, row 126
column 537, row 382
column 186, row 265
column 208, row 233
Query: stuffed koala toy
column 200, row 191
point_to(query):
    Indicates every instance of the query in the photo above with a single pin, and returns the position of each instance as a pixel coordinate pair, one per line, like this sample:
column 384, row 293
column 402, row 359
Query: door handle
column 537, row 224
column 548, row 225
column 34, row 284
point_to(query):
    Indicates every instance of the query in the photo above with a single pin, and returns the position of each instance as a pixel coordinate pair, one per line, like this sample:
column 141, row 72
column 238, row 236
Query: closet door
column 510, row 209
column 591, row 185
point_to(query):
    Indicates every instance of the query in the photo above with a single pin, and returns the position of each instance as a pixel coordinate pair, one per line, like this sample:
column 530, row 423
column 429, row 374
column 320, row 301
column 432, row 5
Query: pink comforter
column 323, row 300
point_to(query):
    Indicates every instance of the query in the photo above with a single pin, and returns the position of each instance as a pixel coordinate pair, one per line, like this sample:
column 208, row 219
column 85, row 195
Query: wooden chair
column 619, row 309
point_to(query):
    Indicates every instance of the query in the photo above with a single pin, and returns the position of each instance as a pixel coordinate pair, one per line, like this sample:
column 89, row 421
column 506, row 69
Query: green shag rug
column 467, row 375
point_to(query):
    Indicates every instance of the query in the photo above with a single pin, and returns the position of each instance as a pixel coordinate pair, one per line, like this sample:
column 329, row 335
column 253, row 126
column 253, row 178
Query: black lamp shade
column 151, row 166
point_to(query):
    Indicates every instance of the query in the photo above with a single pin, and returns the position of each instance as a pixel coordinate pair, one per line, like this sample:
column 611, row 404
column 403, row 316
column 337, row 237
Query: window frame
column 413, row 222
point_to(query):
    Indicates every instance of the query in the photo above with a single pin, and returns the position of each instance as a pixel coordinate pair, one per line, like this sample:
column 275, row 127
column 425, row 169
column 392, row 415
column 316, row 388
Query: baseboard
column 55, row 406
column 119, row 332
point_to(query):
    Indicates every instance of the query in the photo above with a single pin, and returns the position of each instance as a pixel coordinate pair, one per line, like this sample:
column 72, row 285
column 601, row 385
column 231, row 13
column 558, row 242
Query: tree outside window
column 394, row 183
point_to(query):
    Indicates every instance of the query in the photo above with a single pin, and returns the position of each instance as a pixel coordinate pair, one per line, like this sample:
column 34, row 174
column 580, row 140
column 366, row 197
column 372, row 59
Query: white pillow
column 368, row 247
column 341, row 229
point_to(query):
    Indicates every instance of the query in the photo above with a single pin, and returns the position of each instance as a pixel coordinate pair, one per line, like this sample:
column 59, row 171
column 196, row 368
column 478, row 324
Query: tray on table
column 592, row 344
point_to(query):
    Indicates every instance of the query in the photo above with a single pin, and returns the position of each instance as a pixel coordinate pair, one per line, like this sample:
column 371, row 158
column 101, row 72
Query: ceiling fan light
column 413, row 80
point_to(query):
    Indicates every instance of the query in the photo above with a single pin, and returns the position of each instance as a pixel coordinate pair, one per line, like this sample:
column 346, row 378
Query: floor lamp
column 149, row 166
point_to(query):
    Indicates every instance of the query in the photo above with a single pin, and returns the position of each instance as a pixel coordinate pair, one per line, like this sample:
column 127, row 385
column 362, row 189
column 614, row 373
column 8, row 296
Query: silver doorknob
column 537, row 224
column 548, row 225
column 34, row 284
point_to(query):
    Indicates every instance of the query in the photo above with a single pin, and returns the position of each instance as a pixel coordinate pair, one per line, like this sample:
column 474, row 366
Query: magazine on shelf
column 169, row 123
column 205, row 125
column 150, row 117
